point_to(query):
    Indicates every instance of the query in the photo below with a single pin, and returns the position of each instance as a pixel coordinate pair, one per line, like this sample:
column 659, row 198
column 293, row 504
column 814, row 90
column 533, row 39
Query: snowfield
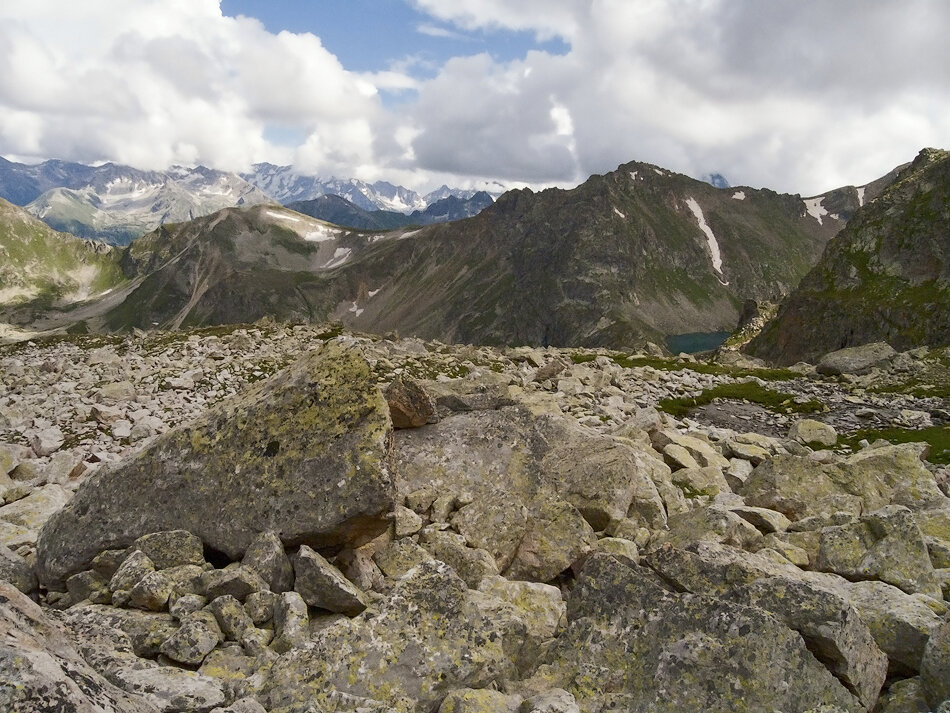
column 714, row 252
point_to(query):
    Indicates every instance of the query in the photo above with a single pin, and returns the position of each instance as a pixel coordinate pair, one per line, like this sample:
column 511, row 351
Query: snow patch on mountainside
column 861, row 196
column 340, row 256
column 739, row 195
column 714, row 252
column 619, row 213
column 815, row 209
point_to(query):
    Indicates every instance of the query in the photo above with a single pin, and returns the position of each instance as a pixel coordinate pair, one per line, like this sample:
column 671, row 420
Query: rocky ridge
column 553, row 540
column 884, row 277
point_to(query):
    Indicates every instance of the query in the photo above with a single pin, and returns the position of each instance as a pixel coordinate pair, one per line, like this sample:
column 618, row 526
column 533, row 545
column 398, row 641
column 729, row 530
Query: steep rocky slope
column 635, row 255
column 41, row 266
column 545, row 539
column 885, row 277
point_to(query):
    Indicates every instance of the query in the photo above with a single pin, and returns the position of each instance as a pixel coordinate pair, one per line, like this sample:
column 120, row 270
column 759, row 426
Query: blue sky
column 799, row 96
column 372, row 35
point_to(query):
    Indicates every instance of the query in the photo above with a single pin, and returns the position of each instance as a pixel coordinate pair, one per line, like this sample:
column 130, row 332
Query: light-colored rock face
column 856, row 360
column 304, row 453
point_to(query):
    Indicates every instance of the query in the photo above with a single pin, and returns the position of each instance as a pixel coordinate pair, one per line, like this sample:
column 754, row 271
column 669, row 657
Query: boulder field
column 369, row 530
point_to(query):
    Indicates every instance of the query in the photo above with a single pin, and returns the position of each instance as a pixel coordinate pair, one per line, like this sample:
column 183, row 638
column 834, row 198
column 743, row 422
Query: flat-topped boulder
column 303, row 454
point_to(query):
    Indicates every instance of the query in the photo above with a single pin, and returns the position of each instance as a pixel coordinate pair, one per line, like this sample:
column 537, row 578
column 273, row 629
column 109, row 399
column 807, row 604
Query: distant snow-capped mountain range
column 117, row 203
column 286, row 185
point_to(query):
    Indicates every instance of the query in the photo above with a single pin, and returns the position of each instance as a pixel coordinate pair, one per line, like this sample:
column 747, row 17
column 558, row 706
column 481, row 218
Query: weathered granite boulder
column 831, row 627
column 512, row 456
column 856, row 360
column 866, row 481
column 886, row 545
column 555, row 537
column 304, row 453
column 41, row 671
column 17, row 571
column 631, row 644
column 426, row 639
column 110, row 652
column 808, row 430
column 935, row 666
column 900, row 623
column 171, row 548
column 266, row 556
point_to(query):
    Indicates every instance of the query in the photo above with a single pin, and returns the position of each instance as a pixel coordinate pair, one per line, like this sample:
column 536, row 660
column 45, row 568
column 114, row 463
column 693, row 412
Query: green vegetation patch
column 745, row 391
column 937, row 436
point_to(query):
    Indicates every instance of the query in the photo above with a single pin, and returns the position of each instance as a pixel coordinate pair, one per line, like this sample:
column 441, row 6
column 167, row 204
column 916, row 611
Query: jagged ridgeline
column 636, row 254
column 885, row 277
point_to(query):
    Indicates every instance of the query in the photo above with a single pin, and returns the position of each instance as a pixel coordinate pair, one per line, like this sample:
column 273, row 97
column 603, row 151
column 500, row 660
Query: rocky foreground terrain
column 291, row 519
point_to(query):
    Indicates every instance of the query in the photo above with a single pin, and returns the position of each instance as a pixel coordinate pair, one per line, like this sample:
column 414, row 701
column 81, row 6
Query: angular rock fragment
column 267, row 557
column 321, row 584
column 171, row 548
column 410, row 406
column 427, row 639
column 885, row 545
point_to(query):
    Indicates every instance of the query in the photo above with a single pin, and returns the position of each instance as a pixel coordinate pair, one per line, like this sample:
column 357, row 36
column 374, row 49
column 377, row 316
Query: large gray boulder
column 886, row 545
column 41, row 671
column 511, row 456
column 303, row 453
column 866, row 481
column 856, row 360
column 631, row 644
column 900, row 623
column 831, row 627
column 427, row 638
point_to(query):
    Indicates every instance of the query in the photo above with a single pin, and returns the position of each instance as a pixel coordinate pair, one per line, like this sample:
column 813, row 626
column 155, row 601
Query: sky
column 798, row 96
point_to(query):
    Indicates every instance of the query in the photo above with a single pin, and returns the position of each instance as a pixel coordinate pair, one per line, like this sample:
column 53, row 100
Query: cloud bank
column 796, row 95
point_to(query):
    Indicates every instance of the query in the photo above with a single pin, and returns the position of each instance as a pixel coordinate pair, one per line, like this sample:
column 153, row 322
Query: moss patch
column 747, row 391
column 937, row 436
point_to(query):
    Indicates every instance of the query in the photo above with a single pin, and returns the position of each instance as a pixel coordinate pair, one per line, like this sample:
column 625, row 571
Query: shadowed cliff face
column 885, row 277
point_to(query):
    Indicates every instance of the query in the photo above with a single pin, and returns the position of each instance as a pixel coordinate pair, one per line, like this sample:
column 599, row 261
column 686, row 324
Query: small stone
column 236, row 580
column 186, row 605
column 405, row 522
column 47, row 441
column 171, row 548
column 151, row 592
column 260, row 606
column 132, row 569
column 291, row 622
column 321, row 584
column 410, row 406
column 267, row 557
column 191, row 643
column 231, row 616
column 808, row 431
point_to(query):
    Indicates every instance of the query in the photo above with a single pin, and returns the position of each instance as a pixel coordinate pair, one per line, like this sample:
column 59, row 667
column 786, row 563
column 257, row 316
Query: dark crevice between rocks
column 216, row 557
